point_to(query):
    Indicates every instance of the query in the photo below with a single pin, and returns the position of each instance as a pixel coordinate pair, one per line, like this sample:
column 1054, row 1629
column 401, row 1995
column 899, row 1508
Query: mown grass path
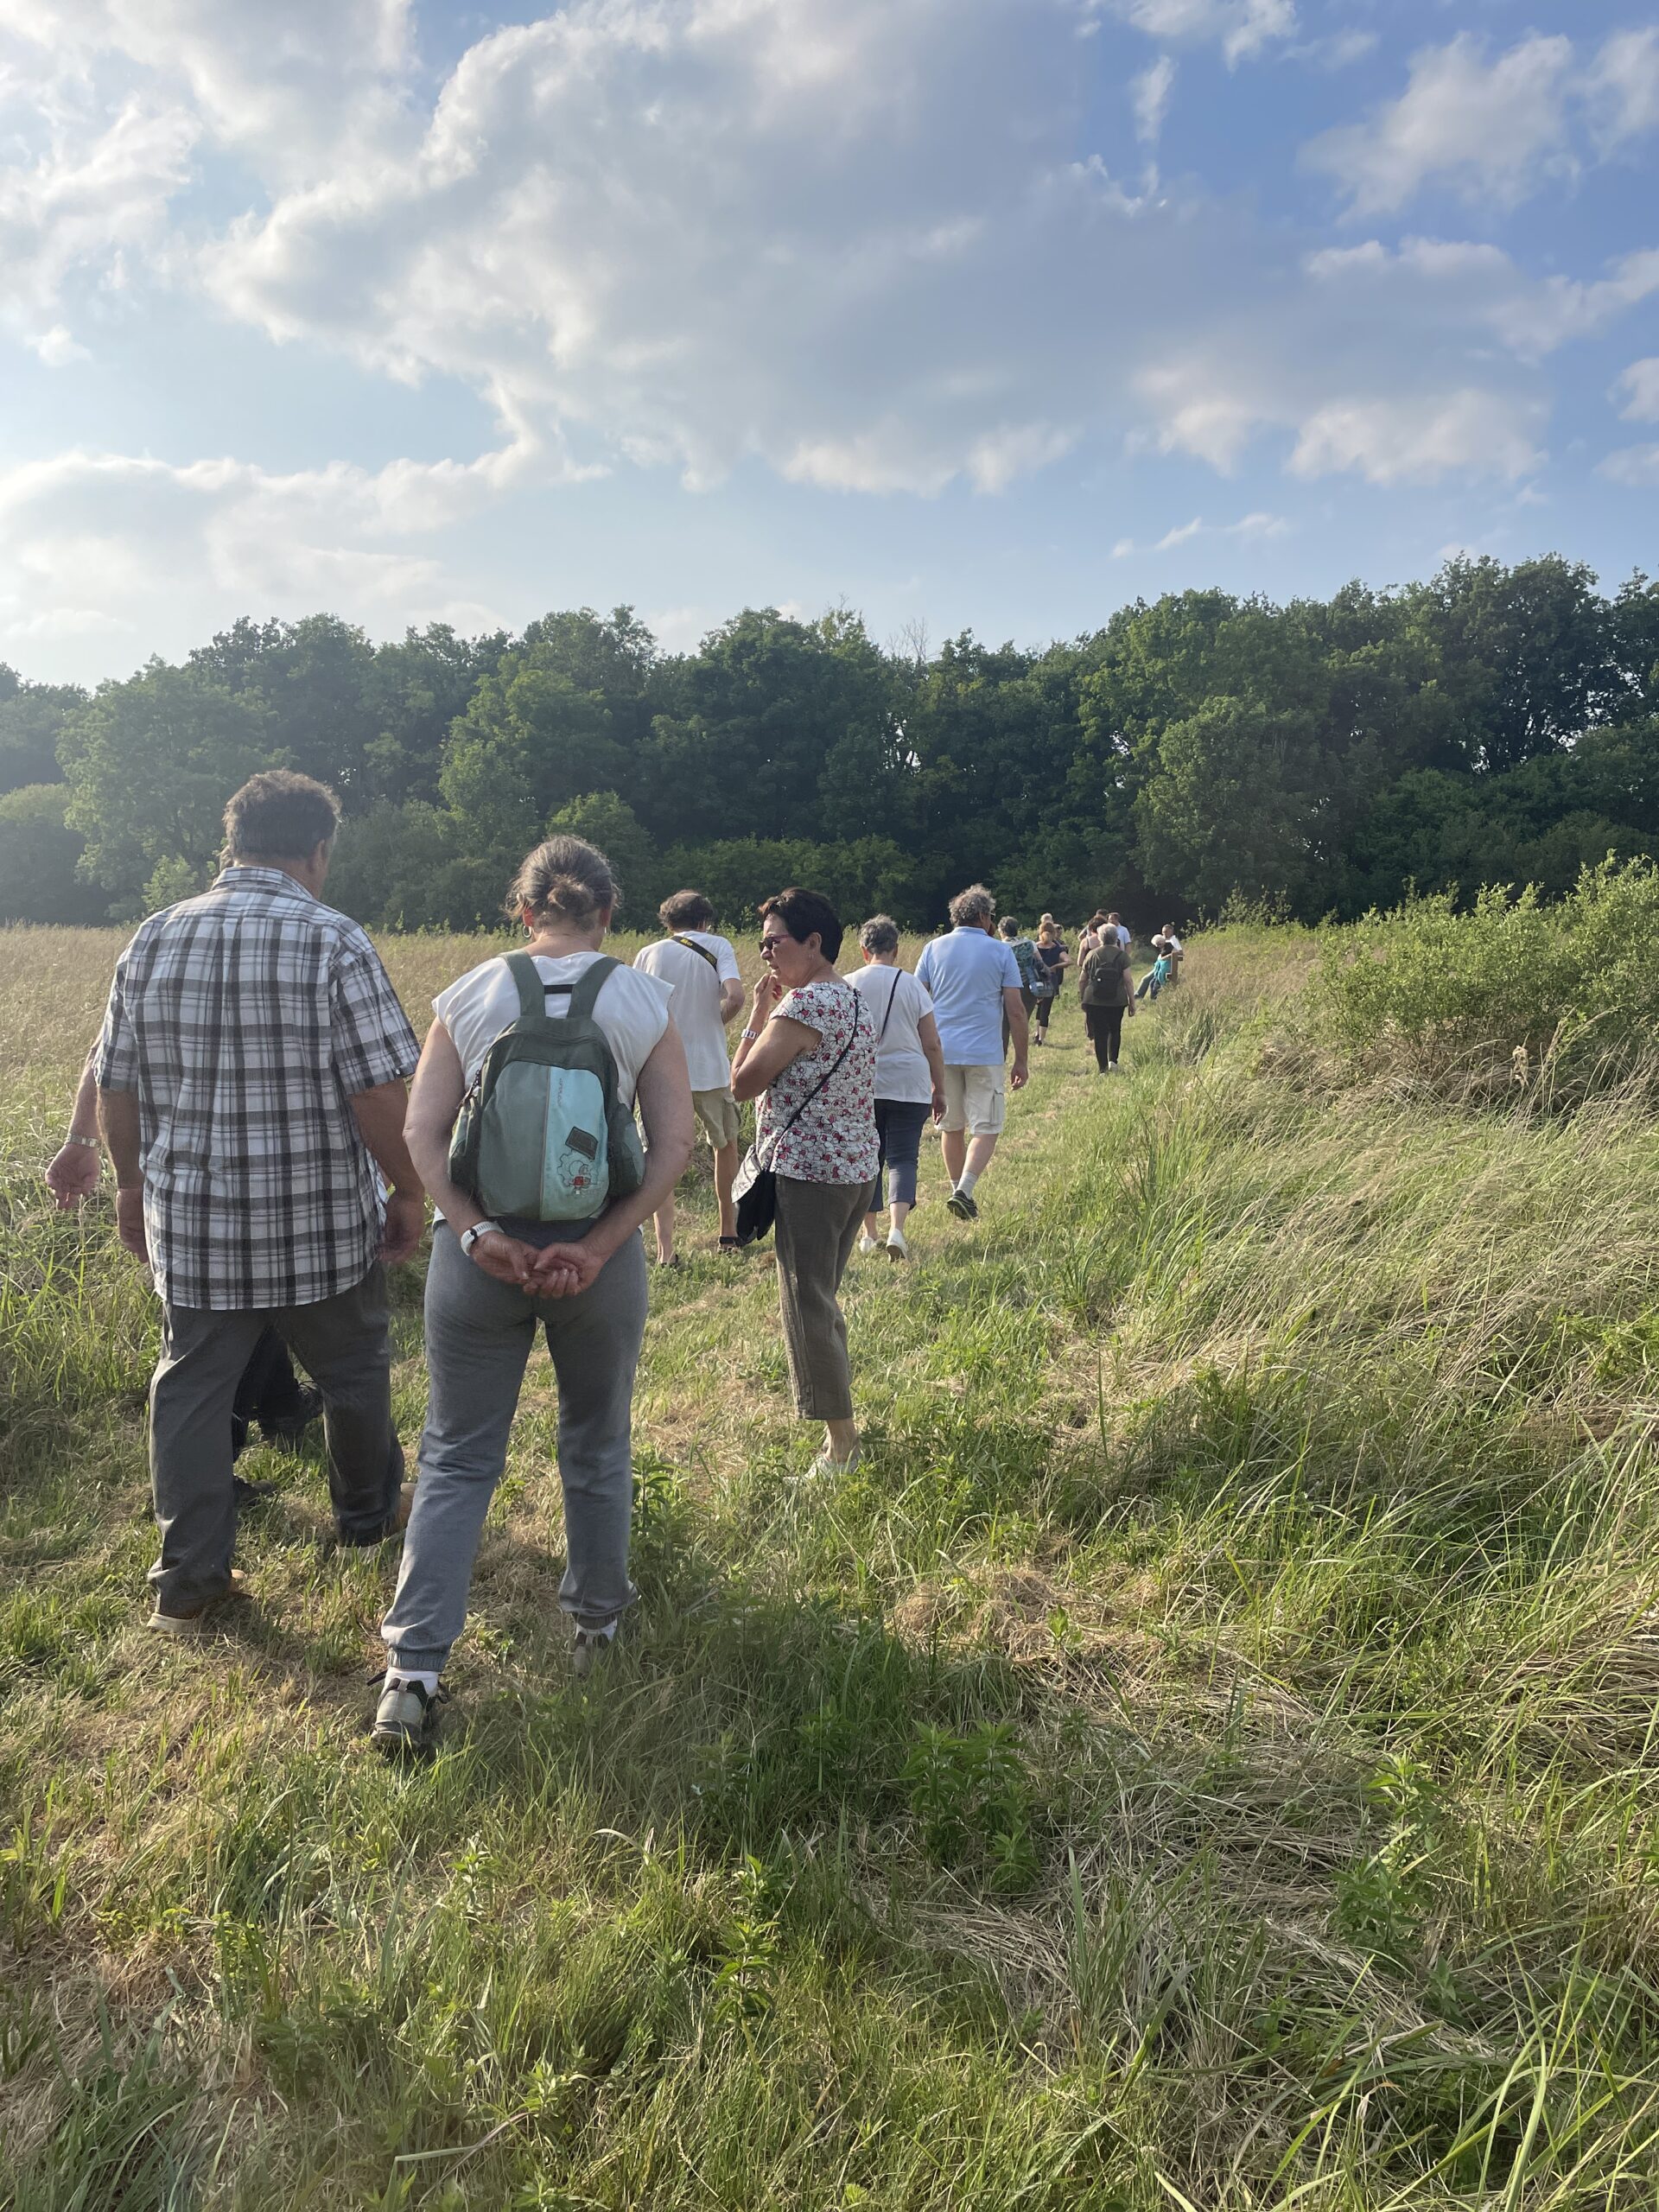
column 1204, row 1756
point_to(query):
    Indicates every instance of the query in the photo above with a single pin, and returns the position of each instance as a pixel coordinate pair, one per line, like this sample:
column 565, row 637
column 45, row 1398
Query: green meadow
column 1203, row 1756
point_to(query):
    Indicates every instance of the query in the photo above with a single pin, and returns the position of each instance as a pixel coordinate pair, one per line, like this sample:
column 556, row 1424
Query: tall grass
column 1561, row 1000
column 1202, row 1756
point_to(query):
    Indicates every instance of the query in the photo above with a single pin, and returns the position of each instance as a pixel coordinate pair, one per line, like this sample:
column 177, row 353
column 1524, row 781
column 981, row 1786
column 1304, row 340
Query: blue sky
column 987, row 314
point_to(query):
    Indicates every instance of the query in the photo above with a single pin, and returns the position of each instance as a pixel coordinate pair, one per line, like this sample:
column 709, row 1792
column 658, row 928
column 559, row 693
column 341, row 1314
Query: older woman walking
column 1106, row 989
column 807, row 1055
column 909, row 1075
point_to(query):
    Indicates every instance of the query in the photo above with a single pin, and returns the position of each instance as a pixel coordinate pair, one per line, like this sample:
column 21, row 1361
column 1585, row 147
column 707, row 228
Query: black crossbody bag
column 756, row 1187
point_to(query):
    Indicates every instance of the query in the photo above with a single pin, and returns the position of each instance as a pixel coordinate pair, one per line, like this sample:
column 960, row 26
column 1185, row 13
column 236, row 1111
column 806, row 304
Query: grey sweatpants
column 817, row 1227
column 343, row 1342
column 479, row 1332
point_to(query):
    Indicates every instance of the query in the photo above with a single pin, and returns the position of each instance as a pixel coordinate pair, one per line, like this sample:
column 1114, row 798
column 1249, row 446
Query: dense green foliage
column 1507, row 994
column 1492, row 725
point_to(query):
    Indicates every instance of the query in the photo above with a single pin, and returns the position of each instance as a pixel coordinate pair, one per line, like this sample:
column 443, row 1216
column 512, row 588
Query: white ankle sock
column 406, row 1677
column 966, row 1181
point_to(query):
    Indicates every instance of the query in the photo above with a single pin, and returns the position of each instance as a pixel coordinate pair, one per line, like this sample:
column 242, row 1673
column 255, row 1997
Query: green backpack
column 541, row 1135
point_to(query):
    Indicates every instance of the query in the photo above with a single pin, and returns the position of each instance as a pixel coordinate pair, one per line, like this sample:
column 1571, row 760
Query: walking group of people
column 251, row 1084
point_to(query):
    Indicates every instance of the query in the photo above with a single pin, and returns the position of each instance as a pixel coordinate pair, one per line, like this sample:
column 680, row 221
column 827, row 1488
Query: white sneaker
column 897, row 1248
column 867, row 1243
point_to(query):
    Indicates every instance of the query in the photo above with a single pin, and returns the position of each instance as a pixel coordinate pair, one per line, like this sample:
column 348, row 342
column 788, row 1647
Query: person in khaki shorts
column 975, row 983
column 701, row 971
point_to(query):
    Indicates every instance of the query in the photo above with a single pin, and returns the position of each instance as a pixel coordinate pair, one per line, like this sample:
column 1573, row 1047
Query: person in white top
column 491, row 1283
column 909, row 1075
column 701, row 969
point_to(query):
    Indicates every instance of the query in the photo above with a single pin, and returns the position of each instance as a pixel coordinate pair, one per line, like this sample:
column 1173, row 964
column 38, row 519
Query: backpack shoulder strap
column 532, row 999
column 588, row 988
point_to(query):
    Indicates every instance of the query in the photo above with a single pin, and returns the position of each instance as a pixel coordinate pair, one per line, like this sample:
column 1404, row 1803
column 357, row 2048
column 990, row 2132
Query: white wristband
column 470, row 1236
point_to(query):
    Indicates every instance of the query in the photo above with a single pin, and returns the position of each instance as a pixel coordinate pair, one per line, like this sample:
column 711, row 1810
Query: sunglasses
column 770, row 944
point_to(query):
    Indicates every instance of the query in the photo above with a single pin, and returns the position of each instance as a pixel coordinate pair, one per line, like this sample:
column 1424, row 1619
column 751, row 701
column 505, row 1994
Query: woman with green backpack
column 521, row 1118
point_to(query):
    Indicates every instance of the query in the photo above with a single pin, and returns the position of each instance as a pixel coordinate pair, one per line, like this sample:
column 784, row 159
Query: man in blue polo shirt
column 974, row 981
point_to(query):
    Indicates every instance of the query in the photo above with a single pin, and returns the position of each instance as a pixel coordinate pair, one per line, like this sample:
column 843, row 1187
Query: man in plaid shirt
column 251, row 1076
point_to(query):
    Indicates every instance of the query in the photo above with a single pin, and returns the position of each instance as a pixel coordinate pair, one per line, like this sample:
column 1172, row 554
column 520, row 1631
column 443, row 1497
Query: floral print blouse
column 834, row 1140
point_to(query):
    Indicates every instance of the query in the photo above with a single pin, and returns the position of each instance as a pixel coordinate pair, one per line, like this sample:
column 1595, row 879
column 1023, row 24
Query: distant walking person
column 974, row 981
column 251, row 1076
column 1106, row 990
column 909, row 1076
column 576, row 1269
column 702, row 970
column 807, row 1055
column 1117, row 923
column 1025, row 959
column 1053, row 958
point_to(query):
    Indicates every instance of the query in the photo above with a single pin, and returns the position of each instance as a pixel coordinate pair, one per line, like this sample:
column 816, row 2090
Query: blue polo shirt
column 966, row 973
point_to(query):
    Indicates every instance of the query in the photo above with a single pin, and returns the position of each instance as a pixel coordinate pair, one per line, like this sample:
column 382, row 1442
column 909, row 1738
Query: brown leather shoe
column 194, row 1618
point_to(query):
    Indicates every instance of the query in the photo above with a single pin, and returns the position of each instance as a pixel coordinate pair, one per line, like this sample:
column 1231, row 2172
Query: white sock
column 966, row 1181
column 403, row 1678
column 604, row 1632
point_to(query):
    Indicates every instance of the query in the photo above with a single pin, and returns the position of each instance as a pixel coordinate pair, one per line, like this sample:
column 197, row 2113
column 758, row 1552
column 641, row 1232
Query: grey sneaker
column 406, row 1719
column 961, row 1204
column 590, row 1646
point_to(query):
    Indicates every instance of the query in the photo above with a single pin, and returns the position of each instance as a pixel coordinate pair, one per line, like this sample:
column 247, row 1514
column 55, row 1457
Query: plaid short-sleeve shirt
column 247, row 1020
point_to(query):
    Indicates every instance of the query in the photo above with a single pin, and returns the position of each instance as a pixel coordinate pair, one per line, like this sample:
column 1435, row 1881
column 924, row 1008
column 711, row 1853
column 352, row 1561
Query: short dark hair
column 686, row 910
column 279, row 816
column 802, row 913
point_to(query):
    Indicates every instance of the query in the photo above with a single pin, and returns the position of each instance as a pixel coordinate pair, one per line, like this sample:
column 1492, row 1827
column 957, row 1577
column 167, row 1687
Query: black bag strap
column 852, row 1037
column 887, row 1016
column 691, row 945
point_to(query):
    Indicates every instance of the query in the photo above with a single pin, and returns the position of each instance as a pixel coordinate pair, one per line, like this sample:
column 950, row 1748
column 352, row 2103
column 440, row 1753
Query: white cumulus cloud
column 1479, row 124
column 1638, row 389
column 1405, row 441
column 1242, row 29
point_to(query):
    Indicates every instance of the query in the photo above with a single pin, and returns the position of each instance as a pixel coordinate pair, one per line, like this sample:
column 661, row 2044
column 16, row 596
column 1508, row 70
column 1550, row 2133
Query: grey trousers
column 343, row 1343
column 817, row 1227
column 478, row 1333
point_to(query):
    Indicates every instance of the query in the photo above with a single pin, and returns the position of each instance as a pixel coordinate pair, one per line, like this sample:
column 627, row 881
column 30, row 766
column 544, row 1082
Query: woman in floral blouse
column 809, row 1056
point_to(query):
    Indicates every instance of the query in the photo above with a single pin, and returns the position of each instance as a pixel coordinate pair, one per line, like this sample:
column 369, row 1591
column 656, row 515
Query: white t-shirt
column 695, row 1005
column 631, row 1009
column 901, row 1070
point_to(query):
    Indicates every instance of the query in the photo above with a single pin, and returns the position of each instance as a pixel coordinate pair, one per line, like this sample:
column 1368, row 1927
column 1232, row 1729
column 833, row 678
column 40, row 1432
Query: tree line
column 1493, row 725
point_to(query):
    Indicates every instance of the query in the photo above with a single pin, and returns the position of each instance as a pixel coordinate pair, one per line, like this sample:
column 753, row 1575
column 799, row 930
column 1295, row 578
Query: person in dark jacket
column 1107, row 993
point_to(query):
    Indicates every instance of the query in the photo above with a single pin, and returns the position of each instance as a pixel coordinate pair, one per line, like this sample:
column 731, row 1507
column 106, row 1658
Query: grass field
column 1203, row 1758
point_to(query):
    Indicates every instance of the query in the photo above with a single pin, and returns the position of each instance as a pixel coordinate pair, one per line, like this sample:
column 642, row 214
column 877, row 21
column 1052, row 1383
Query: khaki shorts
column 975, row 1099
column 718, row 1112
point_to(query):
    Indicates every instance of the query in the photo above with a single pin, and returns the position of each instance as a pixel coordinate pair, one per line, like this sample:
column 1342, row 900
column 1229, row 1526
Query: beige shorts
column 975, row 1099
column 718, row 1112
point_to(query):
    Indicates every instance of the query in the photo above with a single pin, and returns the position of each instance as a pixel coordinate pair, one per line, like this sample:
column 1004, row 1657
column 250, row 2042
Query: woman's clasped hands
column 545, row 1271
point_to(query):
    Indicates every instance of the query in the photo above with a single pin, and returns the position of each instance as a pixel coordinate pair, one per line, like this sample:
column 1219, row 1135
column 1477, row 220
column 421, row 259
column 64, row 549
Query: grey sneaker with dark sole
column 590, row 1647
column 961, row 1204
column 406, row 1719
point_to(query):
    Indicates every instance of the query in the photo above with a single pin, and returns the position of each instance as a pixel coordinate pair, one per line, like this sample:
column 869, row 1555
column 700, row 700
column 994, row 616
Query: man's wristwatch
column 91, row 1143
column 470, row 1236
column 749, row 1036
